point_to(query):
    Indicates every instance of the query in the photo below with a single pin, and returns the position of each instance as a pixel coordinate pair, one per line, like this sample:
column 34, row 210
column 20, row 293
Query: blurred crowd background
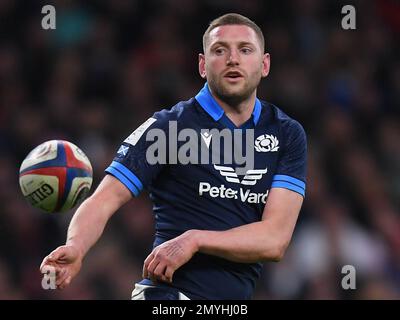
column 110, row 64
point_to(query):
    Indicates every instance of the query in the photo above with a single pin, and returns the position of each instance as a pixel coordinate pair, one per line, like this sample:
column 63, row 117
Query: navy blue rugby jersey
column 211, row 193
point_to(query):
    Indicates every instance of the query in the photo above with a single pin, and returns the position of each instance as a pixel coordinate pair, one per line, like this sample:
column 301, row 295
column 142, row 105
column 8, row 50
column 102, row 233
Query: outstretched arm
column 89, row 221
column 85, row 229
column 265, row 240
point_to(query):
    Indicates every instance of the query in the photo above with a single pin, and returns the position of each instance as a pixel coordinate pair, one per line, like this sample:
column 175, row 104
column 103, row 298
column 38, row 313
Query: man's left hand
column 165, row 259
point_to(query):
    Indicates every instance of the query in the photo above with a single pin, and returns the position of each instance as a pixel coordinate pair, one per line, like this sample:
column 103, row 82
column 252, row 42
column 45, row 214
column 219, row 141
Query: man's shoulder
column 178, row 112
column 281, row 118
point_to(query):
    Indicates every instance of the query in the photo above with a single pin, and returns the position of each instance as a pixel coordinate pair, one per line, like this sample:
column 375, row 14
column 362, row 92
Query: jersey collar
column 211, row 106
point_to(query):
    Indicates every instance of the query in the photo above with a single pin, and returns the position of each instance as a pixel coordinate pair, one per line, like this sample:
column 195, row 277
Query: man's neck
column 238, row 112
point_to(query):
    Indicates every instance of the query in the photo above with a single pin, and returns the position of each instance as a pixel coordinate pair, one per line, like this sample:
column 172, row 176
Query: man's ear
column 202, row 65
column 266, row 64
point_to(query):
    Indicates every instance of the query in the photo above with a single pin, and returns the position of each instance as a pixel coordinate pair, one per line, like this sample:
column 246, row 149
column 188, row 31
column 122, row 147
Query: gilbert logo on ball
column 55, row 176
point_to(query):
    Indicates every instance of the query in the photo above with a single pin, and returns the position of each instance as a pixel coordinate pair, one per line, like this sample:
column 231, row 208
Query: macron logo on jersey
column 206, row 138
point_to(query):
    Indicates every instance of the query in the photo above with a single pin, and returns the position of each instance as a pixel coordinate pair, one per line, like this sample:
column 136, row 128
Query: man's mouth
column 233, row 75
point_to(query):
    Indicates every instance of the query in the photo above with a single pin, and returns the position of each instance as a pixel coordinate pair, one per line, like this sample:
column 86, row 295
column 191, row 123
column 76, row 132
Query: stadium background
column 109, row 65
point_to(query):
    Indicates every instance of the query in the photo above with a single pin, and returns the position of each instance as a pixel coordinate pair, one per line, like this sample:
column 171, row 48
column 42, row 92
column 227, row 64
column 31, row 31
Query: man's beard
column 232, row 98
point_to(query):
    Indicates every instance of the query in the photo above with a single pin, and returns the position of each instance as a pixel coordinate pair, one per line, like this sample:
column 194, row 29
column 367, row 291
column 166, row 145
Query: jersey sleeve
column 131, row 165
column 291, row 171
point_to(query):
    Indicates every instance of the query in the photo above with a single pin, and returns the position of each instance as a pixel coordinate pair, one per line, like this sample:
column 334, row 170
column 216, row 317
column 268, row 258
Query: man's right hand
column 67, row 262
column 85, row 228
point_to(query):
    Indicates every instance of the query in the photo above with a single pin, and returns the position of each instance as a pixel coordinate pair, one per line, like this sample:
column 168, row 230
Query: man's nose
column 233, row 58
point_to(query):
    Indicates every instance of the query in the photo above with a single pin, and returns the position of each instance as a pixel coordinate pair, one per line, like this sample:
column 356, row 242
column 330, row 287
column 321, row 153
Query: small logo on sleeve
column 123, row 150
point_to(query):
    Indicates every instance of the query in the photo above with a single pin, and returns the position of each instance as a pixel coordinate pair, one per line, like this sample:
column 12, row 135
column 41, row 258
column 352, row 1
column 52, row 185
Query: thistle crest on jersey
column 266, row 143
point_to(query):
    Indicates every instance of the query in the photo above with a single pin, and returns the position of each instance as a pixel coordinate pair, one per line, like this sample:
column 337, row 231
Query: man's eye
column 246, row 50
column 219, row 50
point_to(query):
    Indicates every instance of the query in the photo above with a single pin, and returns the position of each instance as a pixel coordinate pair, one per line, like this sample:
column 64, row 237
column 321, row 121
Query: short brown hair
column 233, row 19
